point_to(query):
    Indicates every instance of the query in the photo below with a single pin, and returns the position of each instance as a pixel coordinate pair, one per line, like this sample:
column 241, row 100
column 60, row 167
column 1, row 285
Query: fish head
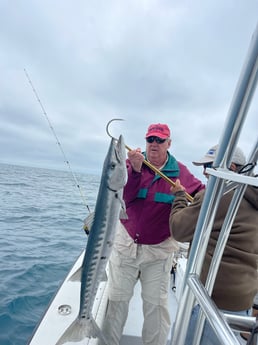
column 115, row 165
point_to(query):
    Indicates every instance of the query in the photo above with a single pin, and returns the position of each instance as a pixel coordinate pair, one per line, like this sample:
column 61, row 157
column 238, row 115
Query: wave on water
column 41, row 236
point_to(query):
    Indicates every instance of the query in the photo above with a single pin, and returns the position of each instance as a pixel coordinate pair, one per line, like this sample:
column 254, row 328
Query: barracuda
column 109, row 208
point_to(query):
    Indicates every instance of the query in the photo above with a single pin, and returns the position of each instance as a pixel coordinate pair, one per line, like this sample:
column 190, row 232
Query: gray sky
column 146, row 61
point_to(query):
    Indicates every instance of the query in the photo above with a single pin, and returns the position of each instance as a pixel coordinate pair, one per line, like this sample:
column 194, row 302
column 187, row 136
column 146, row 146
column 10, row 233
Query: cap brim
column 202, row 161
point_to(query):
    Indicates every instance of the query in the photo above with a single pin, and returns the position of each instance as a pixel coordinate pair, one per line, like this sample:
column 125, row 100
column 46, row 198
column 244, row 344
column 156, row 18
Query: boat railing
column 221, row 180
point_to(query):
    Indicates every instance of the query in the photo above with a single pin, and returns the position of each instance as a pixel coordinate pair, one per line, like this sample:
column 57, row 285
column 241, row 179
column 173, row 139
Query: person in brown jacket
column 236, row 283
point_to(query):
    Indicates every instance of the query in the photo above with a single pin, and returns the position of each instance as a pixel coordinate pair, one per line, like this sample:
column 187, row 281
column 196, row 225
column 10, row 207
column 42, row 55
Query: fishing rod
column 57, row 140
column 151, row 166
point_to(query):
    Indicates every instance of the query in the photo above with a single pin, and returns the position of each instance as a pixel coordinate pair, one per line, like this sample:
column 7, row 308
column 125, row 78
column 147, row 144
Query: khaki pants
column 154, row 277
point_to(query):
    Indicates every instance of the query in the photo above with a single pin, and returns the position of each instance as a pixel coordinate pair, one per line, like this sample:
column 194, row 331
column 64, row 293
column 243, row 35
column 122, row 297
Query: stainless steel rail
column 193, row 290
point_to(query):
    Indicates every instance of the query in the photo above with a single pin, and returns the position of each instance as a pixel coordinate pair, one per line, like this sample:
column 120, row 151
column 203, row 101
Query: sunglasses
column 158, row 140
column 207, row 165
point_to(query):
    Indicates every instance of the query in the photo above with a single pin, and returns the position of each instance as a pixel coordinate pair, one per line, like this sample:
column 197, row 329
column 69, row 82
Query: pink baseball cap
column 158, row 130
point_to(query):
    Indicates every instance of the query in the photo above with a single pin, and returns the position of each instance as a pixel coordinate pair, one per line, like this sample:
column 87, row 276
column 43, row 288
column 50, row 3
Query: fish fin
column 76, row 277
column 123, row 214
column 88, row 221
column 81, row 329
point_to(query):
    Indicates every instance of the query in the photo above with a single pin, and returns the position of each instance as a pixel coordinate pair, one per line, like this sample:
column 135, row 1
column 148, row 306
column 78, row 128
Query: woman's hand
column 177, row 188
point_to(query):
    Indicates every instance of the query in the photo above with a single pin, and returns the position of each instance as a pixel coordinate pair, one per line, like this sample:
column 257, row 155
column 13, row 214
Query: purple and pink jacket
column 148, row 200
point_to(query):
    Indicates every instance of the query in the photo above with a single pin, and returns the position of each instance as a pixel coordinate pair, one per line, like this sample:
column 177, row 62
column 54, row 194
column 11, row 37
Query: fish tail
column 81, row 329
column 98, row 333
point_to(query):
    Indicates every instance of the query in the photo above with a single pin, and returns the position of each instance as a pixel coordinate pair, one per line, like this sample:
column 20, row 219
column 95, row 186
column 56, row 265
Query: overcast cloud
column 146, row 61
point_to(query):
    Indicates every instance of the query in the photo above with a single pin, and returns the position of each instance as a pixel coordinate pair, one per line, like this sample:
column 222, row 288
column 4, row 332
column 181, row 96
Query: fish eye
column 112, row 166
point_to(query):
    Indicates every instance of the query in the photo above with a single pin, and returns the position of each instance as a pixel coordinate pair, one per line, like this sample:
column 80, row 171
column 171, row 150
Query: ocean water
column 41, row 235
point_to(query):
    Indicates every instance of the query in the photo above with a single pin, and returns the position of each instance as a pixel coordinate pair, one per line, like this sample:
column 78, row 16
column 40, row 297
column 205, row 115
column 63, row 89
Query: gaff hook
column 107, row 129
column 152, row 167
column 111, row 136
